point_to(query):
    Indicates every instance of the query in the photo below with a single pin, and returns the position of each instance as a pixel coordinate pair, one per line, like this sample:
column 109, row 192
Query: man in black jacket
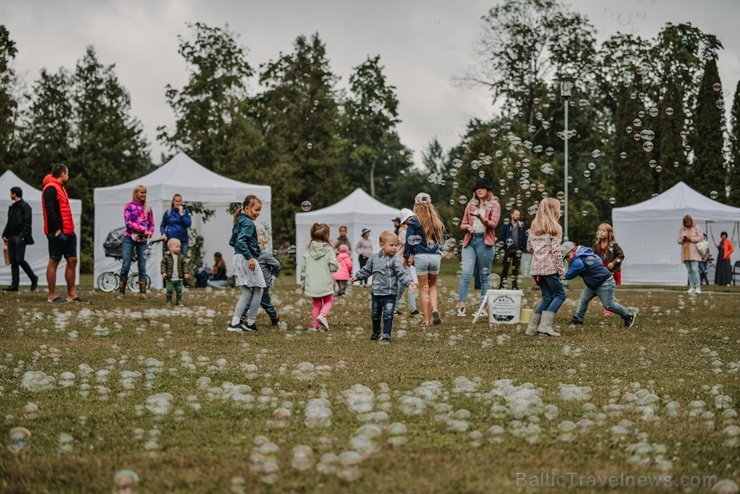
column 16, row 235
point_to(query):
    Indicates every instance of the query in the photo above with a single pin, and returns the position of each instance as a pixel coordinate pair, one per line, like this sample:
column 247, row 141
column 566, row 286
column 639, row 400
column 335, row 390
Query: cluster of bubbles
column 263, row 460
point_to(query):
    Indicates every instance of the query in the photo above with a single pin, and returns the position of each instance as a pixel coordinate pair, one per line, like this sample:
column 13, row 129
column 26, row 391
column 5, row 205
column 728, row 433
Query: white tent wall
column 356, row 211
column 648, row 234
column 37, row 255
column 195, row 183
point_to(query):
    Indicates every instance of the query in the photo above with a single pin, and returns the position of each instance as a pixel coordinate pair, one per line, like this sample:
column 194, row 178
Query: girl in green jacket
column 319, row 262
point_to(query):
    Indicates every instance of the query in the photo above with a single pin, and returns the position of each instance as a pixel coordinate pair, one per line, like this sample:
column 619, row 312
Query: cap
column 565, row 248
column 365, row 230
column 422, row 198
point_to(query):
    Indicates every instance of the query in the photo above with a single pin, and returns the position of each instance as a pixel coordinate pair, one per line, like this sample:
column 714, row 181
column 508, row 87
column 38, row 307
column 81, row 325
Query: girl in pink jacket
column 344, row 273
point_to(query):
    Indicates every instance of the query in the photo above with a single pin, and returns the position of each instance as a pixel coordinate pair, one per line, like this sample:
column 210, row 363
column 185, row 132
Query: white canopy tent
column 37, row 254
column 356, row 211
column 195, row 183
column 648, row 233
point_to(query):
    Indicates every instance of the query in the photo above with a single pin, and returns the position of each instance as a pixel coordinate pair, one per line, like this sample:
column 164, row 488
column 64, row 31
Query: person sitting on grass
column 599, row 282
column 386, row 270
column 173, row 270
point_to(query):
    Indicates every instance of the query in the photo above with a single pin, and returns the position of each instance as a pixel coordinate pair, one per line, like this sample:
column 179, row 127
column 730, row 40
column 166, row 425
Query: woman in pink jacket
column 688, row 236
column 479, row 224
column 344, row 273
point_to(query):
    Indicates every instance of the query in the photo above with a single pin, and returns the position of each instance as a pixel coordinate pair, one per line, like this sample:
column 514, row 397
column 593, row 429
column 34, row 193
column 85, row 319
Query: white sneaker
column 321, row 319
column 698, row 291
column 691, row 291
column 461, row 312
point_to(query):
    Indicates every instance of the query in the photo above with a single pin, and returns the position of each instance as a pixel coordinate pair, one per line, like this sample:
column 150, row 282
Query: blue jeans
column 605, row 292
column 553, row 294
column 128, row 254
column 693, row 268
column 266, row 303
column 703, row 272
column 383, row 307
column 475, row 250
column 402, row 288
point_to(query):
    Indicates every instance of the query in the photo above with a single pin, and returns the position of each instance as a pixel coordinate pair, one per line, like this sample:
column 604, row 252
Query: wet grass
column 683, row 349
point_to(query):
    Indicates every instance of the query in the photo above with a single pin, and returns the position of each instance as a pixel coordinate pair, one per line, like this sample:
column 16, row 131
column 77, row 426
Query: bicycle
column 111, row 281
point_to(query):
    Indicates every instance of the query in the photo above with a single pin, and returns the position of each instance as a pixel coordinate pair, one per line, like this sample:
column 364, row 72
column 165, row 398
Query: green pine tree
column 734, row 167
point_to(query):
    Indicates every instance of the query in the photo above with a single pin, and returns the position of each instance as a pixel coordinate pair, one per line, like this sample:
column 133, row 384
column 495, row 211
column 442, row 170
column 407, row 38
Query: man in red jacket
column 59, row 228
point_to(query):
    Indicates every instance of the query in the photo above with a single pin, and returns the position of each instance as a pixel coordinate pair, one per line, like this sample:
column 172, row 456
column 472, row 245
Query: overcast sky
column 423, row 44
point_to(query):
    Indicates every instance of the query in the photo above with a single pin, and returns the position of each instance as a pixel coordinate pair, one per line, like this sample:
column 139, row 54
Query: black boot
column 179, row 299
column 169, row 299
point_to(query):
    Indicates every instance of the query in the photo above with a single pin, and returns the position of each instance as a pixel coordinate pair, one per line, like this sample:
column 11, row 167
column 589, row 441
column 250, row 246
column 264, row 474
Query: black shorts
column 62, row 245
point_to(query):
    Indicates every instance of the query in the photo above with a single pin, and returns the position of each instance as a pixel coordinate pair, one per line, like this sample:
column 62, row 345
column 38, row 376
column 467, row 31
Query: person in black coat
column 514, row 237
column 16, row 235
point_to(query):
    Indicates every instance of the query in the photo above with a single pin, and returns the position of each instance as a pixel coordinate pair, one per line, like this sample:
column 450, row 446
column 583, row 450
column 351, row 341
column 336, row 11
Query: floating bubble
column 549, row 151
column 669, row 111
column 717, row 86
column 721, row 104
column 125, row 482
column 647, row 135
column 65, row 442
column 462, row 199
column 493, row 132
column 623, row 155
column 306, row 206
column 587, row 173
column 713, row 194
column 647, row 146
column 653, row 112
column 20, row 439
column 309, row 145
column 612, row 200
column 596, row 153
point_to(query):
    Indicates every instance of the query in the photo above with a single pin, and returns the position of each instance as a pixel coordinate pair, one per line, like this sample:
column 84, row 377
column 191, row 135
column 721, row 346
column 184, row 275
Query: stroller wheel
column 133, row 282
column 107, row 282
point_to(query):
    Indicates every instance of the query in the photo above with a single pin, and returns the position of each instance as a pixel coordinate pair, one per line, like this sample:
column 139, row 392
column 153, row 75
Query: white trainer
column 321, row 319
column 461, row 312
column 691, row 291
column 698, row 291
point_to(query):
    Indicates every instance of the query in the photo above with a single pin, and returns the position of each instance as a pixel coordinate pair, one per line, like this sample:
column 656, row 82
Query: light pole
column 566, row 87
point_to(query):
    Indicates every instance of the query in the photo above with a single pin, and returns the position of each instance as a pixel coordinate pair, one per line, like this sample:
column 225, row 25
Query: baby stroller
column 113, row 247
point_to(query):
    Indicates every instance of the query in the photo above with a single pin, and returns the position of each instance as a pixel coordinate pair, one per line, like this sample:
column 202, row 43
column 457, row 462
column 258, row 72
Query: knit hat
column 566, row 247
column 483, row 183
column 422, row 198
column 405, row 215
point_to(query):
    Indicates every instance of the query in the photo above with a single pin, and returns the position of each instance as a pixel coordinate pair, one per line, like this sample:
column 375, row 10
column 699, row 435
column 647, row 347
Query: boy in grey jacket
column 387, row 271
column 270, row 268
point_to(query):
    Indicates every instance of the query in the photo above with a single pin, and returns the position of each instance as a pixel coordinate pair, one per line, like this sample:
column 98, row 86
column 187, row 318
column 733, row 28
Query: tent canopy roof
column 356, row 207
column 184, row 176
column 674, row 203
column 30, row 193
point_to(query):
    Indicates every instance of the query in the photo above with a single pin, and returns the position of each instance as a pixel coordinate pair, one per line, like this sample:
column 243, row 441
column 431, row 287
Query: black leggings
column 363, row 261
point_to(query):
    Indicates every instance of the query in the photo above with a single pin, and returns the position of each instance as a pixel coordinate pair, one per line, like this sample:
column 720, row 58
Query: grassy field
column 171, row 395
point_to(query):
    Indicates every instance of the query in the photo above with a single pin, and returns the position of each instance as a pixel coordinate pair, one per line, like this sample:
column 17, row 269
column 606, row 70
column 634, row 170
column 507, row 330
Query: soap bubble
column 669, row 111
column 306, row 206
column 647, row 146
column 20, row 439
column 125, row 482
column 717, row 86
column 65, row 443
column 414, row 240
column 713, row 194
column 303, row 458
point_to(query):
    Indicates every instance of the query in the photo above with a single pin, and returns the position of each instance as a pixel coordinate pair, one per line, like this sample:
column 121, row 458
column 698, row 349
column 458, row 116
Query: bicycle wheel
column 133, row 281
column 107, row 282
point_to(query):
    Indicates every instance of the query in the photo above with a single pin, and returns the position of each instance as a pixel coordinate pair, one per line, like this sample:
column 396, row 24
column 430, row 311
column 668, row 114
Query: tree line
column 644, row 114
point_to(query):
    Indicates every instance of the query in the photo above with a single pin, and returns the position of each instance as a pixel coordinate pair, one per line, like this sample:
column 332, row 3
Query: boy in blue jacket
column 387, row 271
column 599, row 282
